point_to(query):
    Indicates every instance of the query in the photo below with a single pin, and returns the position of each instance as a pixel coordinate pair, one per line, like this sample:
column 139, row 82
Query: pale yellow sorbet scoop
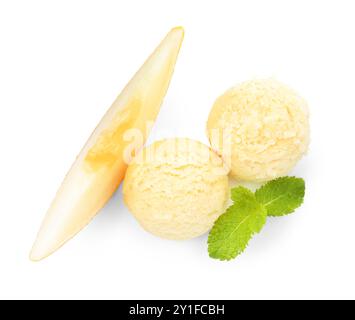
column 260, row 128
column 176, row 188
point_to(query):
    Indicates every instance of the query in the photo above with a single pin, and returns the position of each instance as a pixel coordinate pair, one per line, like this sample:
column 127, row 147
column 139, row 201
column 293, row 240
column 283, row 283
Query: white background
column 62, row 63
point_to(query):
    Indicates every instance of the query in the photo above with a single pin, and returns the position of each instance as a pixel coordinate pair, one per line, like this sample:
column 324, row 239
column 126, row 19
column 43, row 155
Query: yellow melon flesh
column 101, row 165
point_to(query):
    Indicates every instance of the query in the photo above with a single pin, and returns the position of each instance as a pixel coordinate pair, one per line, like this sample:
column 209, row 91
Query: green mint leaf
column 281, row 196
column 232, row 230
column 241, row 193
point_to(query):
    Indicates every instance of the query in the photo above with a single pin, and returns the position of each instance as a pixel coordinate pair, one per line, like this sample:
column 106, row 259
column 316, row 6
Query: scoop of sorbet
column 176, row 188
column 260, row 128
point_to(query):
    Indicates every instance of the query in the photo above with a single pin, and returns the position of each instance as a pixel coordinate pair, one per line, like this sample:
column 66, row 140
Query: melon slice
column 101, row 165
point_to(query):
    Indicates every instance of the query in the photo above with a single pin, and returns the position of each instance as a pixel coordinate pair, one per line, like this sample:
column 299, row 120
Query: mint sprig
column 233, row 229
column 247, row 215
column 281, row 196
